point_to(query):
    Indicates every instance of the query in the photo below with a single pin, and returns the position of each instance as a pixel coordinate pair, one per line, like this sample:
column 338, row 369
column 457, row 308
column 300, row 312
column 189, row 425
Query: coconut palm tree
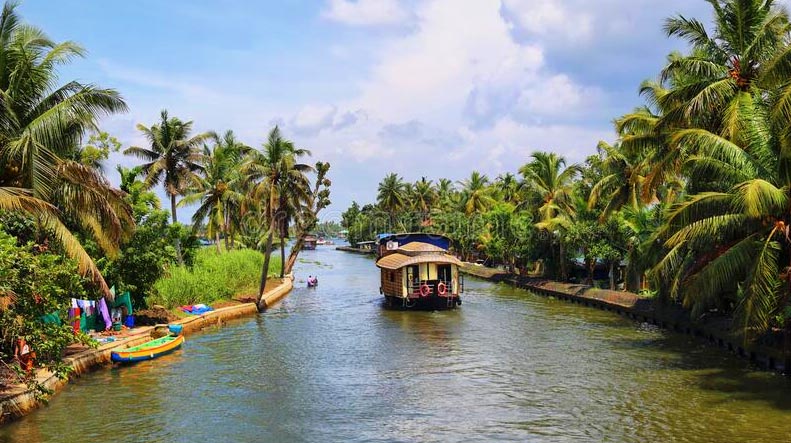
column 278, row 180
column 423, row 196
column 622, row 180
column 218, row 190
column 41, row 127
column 552, row 182
column 392, row 194
column 508, row 187
column 173, row 156
column 735, row 242
column 476, row 196
column 727, row 64
column 445, row 191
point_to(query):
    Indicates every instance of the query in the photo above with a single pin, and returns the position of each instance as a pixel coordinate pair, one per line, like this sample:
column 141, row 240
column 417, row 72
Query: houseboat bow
column 418, row 272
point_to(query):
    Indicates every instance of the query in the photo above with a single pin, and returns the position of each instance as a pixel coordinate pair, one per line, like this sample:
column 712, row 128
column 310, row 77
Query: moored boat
column 418, row 272
column 149, row 350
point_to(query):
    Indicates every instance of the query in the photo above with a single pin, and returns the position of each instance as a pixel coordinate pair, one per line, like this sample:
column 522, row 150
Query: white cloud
column 363, row 150
column 551, row 18
column 366, row 12
column 312, row 119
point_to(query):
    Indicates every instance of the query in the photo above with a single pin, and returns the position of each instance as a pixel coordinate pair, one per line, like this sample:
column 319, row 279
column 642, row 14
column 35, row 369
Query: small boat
column 149, row 350
column 312, row 283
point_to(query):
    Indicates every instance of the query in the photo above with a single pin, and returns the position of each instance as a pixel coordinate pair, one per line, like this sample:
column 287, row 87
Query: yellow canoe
column 149, row 350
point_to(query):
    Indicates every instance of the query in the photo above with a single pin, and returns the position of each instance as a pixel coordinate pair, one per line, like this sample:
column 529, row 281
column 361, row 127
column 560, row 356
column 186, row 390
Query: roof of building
column 397, row 261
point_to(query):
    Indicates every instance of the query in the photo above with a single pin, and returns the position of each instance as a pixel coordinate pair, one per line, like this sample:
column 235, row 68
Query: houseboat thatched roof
column 397, row 261
column 420, row 247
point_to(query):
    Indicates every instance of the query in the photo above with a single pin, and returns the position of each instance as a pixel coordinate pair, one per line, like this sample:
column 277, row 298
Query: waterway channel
column 331, row 364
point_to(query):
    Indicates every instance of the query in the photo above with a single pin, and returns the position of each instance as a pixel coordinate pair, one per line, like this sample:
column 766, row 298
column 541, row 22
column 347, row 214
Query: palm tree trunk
column 265, row 268
column 292, row 256
column 217, row 241
column 175, row 220
column 282, row 257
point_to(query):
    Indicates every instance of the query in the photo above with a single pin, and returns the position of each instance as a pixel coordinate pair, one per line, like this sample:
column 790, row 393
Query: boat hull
column 143, row 353
column 432, row 303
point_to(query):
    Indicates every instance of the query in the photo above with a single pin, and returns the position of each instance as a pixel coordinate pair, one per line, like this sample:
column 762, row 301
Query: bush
column 213, row 277
column 34, row 283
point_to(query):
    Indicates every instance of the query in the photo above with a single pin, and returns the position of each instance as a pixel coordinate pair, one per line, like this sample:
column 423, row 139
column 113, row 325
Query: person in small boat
column 312, row 281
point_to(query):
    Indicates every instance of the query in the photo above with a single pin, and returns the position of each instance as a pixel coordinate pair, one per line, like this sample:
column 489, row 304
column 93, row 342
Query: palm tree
column 508, row 187
column 475, row 194
column 218, row 190
column 173, row 155
column 551, row 181
column 41, row 127
column 391, row 194
column 727, row 65
column 733, row 242
column 622, row 181
column 278, row 180
column 445, row 192
column 423, row 196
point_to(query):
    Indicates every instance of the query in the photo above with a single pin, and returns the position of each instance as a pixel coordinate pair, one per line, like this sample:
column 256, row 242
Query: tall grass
column 213, row 277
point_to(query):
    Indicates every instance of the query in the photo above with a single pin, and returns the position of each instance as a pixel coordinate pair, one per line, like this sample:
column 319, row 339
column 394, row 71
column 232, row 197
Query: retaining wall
column 627, row 304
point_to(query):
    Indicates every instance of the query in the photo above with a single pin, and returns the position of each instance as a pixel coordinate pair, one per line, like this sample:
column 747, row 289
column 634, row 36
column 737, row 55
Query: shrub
column 213, row 277
column 34, row 283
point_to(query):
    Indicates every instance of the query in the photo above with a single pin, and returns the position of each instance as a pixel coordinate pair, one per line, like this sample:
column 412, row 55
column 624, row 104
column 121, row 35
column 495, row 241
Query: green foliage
column 214, row 276
column 33, row 284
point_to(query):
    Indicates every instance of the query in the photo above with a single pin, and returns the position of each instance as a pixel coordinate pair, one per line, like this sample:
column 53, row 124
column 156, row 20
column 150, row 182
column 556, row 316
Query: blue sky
column 431, row 88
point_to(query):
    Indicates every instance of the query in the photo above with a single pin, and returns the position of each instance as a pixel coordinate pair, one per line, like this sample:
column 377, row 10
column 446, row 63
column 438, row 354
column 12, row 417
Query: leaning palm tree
column 275, row 176
column 733, row 242
column 41, row 127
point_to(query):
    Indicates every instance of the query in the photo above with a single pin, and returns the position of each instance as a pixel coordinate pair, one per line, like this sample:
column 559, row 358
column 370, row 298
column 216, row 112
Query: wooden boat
column 418, row 272
column 149, row 350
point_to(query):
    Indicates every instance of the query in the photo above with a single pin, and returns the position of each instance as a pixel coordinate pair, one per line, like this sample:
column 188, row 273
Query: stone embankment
column 716, row 330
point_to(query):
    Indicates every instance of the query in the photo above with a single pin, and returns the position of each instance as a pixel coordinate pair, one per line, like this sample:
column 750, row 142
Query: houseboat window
column 413, row 274
column 443, row 272
column 392, row 276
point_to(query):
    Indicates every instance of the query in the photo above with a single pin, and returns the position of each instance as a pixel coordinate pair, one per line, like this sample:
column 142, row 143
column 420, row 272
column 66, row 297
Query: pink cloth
column 108, row 323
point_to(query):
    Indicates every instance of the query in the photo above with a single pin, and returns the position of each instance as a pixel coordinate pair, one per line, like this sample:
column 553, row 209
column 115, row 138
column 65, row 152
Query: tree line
column 694, row 195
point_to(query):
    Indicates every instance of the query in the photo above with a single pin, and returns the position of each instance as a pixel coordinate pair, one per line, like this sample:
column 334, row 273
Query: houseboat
column 418, row 272
column 310, row 243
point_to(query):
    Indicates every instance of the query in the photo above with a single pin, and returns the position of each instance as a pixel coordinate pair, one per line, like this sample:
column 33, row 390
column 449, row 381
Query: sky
column 434, row 88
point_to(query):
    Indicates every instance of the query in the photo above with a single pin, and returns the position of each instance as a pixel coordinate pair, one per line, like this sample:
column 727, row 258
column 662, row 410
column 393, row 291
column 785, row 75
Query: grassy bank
column 213, row 277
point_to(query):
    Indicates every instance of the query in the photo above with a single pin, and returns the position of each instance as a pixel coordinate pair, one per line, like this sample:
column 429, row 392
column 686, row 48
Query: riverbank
column 715, row 330
column 19, row 401
column 355, row 250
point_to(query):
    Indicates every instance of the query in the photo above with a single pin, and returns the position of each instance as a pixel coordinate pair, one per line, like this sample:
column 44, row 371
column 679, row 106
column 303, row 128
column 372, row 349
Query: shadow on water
column 713, row 369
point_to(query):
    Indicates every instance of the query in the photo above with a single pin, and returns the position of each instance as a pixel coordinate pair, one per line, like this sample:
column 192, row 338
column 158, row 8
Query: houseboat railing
column 415, row 287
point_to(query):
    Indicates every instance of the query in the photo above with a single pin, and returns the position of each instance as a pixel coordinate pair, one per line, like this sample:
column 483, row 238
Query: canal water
column 331, row 364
